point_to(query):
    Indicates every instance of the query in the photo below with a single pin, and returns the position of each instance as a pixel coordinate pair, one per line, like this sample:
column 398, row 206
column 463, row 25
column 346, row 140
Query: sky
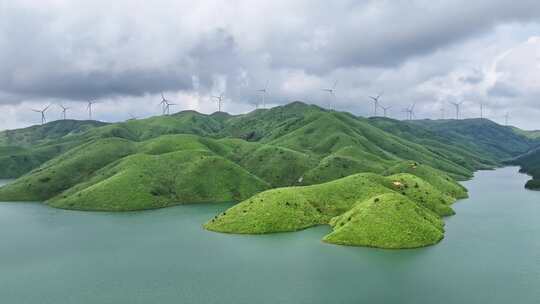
column 123, row 54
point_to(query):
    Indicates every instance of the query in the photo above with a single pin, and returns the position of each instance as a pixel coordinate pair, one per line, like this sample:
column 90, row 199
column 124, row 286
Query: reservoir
column 490, row 254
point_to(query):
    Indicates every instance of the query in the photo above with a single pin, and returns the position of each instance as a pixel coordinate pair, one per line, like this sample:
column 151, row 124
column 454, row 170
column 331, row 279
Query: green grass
column 423, row 193
column 530, row 164
column 143, row 181
column 118, row 174
column 294, row 144
column 296, row 208
column 437, row 178
column 66, row 170
column 388, row 220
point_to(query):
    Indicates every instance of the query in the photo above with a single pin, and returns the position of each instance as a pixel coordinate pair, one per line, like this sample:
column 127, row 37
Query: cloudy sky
column 124, row 53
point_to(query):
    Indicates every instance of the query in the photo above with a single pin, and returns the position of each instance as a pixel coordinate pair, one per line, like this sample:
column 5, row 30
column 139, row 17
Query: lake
column 491, row 254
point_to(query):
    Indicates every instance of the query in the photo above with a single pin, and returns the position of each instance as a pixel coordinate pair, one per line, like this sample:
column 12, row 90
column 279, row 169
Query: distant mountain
column 482, row 135
column 39, row 134
column 22, row 150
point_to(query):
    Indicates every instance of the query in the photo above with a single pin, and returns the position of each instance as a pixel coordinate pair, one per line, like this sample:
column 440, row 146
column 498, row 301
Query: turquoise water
column 491, row 254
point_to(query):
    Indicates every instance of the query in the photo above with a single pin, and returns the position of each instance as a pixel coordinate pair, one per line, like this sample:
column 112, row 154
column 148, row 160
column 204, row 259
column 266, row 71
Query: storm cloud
column 125, row 53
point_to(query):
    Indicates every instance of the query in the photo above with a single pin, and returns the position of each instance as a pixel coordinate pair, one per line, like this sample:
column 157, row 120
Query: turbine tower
column 375, row 103
column 443, row 113
column 481, row 110
column 167, row 107
column 457, row 105
column 43, row 120
column 255, row 103
column 385, row 109
column 163, row 104
column 219, row 100
column 64, row 110
column 506, row 117
column 89, row 106
column 332, row 93
column 410, row 111
column 264, row 92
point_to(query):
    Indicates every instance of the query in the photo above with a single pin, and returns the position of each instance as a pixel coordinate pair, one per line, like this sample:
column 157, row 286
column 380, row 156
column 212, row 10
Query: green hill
column 118, row 174
column 482, row 135
column 530, row 164
column 295, row 144
column 25, row 149
column 437, row 178
column 386, row 221
column 296, row 208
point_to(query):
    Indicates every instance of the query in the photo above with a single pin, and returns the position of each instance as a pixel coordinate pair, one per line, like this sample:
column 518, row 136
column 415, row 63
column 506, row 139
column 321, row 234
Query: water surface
column 491, row 254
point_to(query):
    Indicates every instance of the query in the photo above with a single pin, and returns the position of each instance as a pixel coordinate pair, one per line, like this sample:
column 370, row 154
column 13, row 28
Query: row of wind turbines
column 220, row 99
column 64, row 111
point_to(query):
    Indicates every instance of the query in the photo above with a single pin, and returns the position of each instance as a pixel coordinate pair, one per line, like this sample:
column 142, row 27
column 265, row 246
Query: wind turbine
column 89, row 106
column 264, row 92
column 43, row 120
column 332, row 93
column 375, row 103
column 132, row 117
column 457, row 105
column 163, row 103
column 219, row 100
column 167, row 107
column 481, row 110
column 410, row 111
column 64, row 110
column 385, row 109
column 506, row 116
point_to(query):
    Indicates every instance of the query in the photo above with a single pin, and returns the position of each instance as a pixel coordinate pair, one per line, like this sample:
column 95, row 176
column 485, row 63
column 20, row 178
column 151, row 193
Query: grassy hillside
column 386, row 221
column 25, row 149
column 437, row 178
column 295, row 144
column 530, row 164
column 145, row 181
column 39, row 134
column 456, row 147
column 295, row 208
column 118, row 174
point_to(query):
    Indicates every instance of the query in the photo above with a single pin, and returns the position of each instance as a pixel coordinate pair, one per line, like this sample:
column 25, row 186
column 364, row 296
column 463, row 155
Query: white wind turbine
column 457, row 105
column 219, row 100
column 64, row 111
column 375, row 100
column 163, row 104
column 43, row 120
column 332, row 93
column 89, row 107
column 264, row 92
